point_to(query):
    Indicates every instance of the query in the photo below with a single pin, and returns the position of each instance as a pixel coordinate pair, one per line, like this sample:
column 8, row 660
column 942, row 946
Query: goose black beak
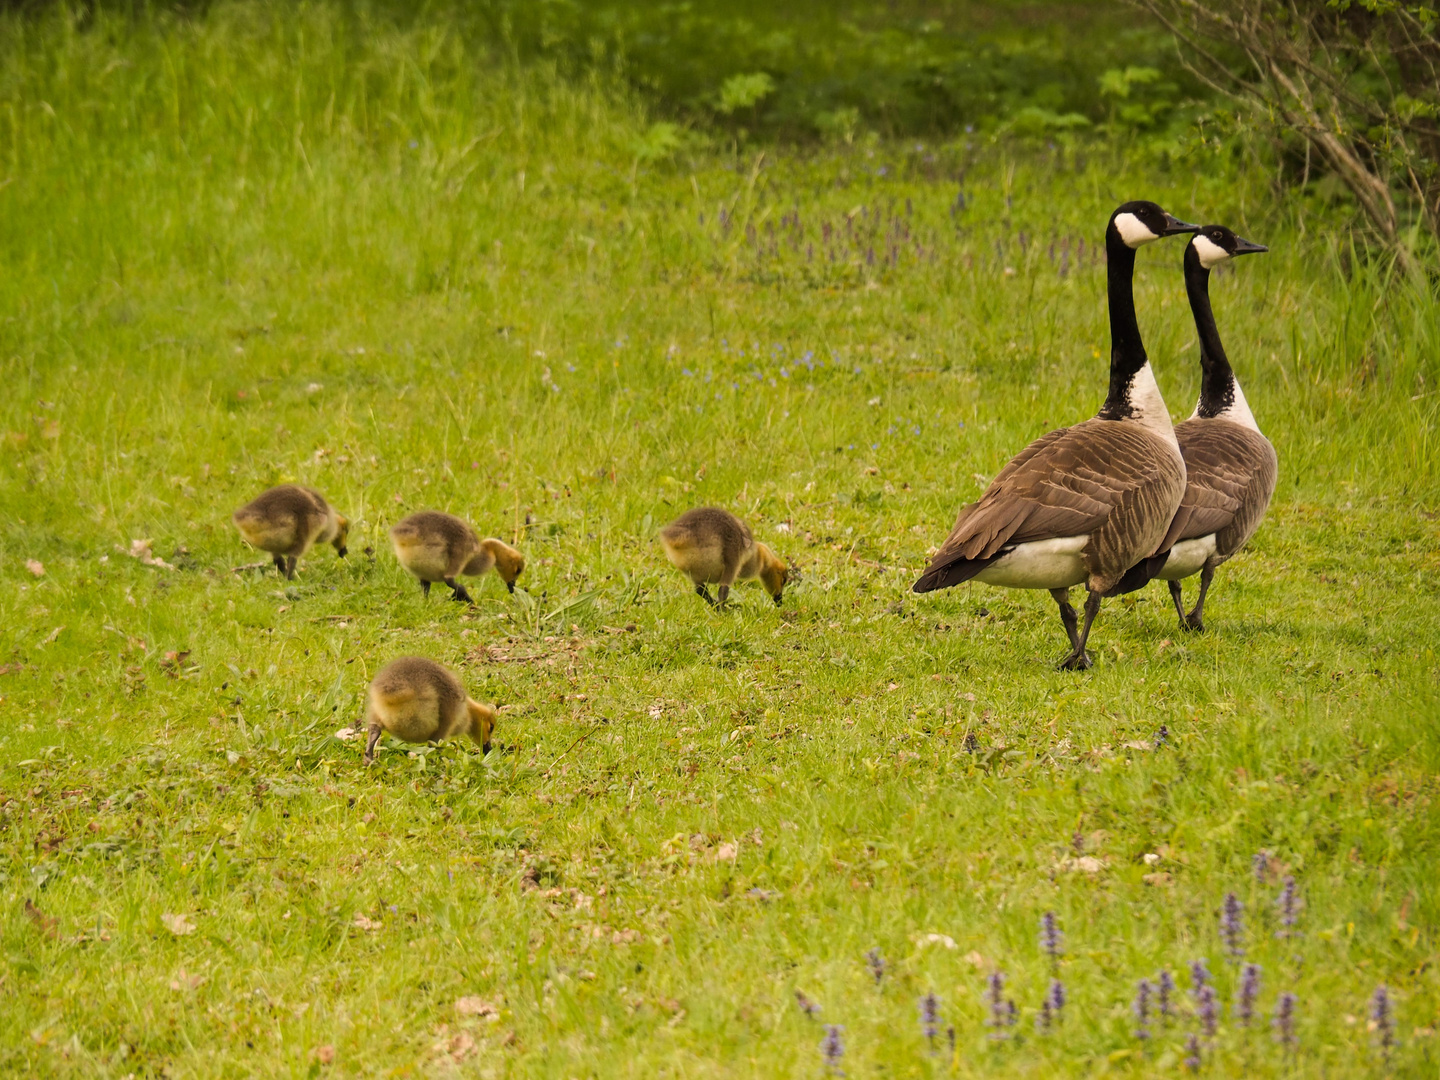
column 343, row 552
column 1248, row 247
column 778, row 599
column 1174, row 225
column 510, row 585
column 484, row 748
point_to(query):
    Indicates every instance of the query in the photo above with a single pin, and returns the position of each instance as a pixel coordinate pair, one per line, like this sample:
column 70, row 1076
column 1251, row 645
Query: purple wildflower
column 1164, row 991
column 1051, row 1008
column 1382, row 1019
column 1246, row 995
column 1232, row 926
column 1077, row 841
column 1260, row 863
column 1162, row 737
column 1002, row 1011
column 1141, row 1009
column 930, row 1018
column 808, row 1007
column 1289, row 905
column 1207, row 1010
column 1051, row 940
column 876, row 963
column 1192, row 1052
column 1199, row 974
column 832, row 1048
column 1284, row 1019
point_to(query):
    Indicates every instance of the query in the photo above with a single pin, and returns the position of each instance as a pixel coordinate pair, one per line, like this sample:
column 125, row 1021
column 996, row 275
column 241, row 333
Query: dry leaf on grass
column 726, row 852
column 937, row 939
column 325, row 1054
column 179, row 925
column 186, row 981
column 1160, row 879
column 35, row 566
column 364, row 922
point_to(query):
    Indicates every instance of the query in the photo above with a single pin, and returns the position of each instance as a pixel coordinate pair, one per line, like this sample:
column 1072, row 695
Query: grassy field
column 356, row 254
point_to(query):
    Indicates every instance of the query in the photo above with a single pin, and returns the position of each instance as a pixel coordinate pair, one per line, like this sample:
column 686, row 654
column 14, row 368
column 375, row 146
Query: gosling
column 287, row 520
column 416, row 700
column 711, row 546
column 439, row 547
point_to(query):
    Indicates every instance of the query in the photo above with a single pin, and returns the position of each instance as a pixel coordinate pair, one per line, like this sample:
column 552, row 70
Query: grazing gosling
column 710, row 546
column 417, row 700
column 287, row 520
column 439, row 547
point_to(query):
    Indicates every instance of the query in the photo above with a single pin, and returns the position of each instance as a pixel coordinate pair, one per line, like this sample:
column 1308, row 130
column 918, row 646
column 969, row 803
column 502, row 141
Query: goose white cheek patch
column 1133, row 231
column 1210, row 252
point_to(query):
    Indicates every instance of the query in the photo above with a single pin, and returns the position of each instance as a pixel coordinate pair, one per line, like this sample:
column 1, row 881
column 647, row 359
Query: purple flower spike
column 1162, row 737
column 930, row 1018
column 1288, row 905
column 1141, row 1009
column 1051, row 940
column 876, row 963
column 1199, row 974
column 1207, row 1011
column 1232, row 926
column 1192, row 1052
column 808, row 1007
column 1164, row 995
column 832, row 1048
column 1246, row 995
column 1284, row 1019
column 1382, row 1018
column 1077, row 841
column 1260, row 863
column 1000, row 1016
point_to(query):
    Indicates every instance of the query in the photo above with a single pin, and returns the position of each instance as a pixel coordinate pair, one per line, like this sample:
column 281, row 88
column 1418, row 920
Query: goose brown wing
column 1066, row 483
column 1230, row 476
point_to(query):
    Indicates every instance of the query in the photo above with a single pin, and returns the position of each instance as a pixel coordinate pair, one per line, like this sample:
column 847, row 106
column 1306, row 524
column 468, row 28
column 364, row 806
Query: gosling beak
column 510, row 585
column 1248, row 247
column 778, row 598
column 485, row 748
column 1174, row 225
column 342, row 552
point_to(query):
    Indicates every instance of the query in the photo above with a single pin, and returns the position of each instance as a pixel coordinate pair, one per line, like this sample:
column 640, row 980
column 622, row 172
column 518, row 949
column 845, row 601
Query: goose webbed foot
column 1193, row 622
column 1076, row 661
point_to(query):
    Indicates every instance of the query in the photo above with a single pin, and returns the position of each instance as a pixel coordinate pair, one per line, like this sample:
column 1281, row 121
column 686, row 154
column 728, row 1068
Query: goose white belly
column 1040, row 564
column 1187, row 557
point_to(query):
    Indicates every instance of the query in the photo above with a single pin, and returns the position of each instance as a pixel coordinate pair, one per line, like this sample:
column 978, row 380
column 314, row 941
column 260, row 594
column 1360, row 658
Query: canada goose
column 1085, row 503
column 287, row 520
column 417, row 700
column 1230, row 467
column 438, row 547
column 710, row 546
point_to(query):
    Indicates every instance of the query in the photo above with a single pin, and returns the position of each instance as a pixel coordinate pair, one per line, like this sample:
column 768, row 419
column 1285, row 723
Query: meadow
column 335, row 247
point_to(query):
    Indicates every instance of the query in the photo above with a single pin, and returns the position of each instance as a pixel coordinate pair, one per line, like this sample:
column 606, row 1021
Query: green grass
column 365, row 256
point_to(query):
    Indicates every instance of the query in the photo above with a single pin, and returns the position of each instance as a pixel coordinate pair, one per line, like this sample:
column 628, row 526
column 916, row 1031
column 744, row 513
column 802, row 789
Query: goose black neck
column 1217, row 379
column 1127, row 351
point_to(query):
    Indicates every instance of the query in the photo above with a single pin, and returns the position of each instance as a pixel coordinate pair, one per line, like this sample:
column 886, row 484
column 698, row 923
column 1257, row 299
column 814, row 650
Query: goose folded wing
column 1065, row 484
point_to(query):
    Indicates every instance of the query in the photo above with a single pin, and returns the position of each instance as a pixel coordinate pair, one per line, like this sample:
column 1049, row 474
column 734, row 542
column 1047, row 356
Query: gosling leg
column 723, row 596
column 375, row 730
column 704, row 594
column 425, row 588
column 290, row 568
column 280, row 563
column 459, row 591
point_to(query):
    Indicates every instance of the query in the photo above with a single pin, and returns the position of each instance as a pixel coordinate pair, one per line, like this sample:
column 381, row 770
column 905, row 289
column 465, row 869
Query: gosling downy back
column 417, row 700
column 287, row 521
column 712, row 546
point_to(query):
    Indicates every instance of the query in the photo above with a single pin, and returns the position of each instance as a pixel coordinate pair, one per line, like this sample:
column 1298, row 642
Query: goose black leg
column 290, row 568
column 723, row 596
column 459, row 591
column 1196, row 619
column 1178, row 599
column 279, row 563
column 1067, row 616
column 370, row 743
column 704, row 594
column 1079, row 659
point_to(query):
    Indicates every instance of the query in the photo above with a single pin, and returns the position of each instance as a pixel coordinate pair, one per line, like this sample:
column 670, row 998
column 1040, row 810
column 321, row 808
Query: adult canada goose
column 1230, row 468
column 1085, row 503
column 287, row 520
